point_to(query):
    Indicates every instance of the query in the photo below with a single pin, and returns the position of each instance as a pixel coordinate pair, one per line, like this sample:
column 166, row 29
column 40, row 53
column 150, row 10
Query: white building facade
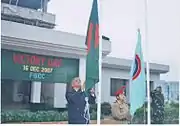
column 63, row 56
column 38, row 62
column 116, row 73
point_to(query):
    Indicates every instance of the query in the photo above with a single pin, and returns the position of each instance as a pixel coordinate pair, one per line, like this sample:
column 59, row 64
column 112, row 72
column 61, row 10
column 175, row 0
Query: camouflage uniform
column 157, row 106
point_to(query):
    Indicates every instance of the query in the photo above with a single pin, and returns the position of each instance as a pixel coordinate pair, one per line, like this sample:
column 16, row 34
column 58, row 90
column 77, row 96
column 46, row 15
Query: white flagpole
column 100, row 67
column 147, row 63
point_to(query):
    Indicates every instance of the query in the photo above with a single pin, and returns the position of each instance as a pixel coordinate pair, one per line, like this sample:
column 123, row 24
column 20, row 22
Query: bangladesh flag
column 92, row 43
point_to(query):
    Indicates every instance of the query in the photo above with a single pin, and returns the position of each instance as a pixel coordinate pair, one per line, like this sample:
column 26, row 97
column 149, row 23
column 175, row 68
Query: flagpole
column 147, row 63
column 100, row 68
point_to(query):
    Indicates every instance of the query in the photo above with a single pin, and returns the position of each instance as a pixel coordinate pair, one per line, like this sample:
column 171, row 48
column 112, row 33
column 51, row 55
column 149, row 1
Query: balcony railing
column 27, row 16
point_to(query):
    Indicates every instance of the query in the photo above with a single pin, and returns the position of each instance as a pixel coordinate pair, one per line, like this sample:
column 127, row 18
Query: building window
column 151, row 86
column 116, row 84
column 15, row 95
column 173, row 91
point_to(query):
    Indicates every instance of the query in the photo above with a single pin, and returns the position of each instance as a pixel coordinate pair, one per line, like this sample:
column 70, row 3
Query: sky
column 120, row 19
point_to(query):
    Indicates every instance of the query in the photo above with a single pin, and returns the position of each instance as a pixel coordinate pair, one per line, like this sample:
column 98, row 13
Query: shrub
column 27, row 116
column 93, row 107
column 106, row 108
column 93, row 115
column 171, row 115
column 174, row 105
column 140, row 116
column 18, row 116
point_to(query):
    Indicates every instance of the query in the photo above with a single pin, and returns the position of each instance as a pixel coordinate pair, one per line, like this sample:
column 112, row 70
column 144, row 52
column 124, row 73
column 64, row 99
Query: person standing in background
column 157, row 106
column 92, row 96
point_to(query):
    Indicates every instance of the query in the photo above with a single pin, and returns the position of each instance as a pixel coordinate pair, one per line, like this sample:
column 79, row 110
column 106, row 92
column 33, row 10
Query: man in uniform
column 157, row 106
column 120, row 108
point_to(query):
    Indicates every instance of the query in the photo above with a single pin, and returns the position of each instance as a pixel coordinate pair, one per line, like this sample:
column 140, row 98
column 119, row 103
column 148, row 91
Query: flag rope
column 86, row 111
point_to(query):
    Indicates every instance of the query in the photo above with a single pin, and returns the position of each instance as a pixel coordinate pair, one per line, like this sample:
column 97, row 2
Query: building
column 38, row 61
column 116, row 73
column 170, row 90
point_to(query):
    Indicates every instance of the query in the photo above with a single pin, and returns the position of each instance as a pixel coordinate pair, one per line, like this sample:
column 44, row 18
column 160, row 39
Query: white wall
column 47, row 36
column 35, row 92
column 82, row 68
column 59, row 95
column 114, row 73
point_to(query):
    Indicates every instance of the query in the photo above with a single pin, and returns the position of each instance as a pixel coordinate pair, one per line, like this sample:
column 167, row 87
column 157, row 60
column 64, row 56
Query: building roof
column 125, row 64
column 167, row 82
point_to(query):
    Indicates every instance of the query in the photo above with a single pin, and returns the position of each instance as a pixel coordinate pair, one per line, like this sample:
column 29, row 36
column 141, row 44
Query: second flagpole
column 147, row 62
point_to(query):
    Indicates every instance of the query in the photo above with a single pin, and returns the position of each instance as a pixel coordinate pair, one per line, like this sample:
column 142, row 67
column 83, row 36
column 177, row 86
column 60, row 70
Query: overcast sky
column 120, row 20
